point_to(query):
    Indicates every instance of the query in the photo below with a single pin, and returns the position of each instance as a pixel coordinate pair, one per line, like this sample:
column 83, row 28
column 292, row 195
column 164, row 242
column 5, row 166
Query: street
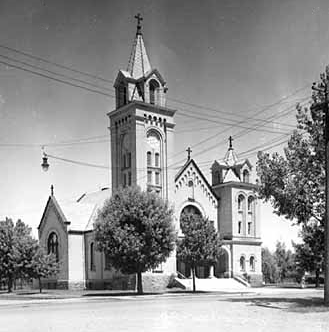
column 286, row 310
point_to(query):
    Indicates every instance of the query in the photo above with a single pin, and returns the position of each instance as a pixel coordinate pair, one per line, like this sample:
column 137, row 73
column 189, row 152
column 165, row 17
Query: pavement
column 264, row 309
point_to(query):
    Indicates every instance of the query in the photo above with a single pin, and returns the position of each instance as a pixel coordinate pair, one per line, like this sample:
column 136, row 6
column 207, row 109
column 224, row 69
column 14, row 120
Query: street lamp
column 45, row 164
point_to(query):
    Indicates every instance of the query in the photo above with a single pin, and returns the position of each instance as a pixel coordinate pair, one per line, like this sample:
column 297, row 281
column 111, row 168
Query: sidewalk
column 69, row 296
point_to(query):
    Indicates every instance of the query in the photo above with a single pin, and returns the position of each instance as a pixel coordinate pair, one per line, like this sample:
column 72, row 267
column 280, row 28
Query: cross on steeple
column 188, row 153
column 52, row 190
column 139, row 19
column 230, row 139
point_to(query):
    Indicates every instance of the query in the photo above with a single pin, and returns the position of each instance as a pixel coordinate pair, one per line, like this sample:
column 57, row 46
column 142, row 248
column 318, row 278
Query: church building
column 142, row 130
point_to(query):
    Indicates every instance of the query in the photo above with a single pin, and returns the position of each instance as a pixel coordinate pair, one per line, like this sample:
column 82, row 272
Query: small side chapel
column 141, row 145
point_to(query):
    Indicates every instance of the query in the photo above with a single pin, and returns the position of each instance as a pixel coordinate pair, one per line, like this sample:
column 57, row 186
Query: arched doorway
column 183, row 268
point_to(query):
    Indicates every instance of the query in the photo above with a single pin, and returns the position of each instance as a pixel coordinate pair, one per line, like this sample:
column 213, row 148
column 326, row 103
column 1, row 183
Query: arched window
column 92, row 256
column 245, row 176
column 252, row 263
column 190, row 209
column 149, row 158
column 53, row 245
column 250, row 203
column 240, row 202
column 154, row 88
column 154, row 176
column 242, row 263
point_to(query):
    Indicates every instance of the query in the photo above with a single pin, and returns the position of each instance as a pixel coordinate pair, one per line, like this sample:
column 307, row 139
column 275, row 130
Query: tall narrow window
column 240, row 202
column 154, row 88
column 249, row 228
column 92, row 256
column 240, row 227
column 245, row 176
column 149, row 158
column 149, row 177
column 252, row 263
column 129, row 159
column 157, row 178
column 242, row 263
column 124, row 180
column 250, row 203
column 122, row 95
column 53, row 245
column 129, row 178
column 157, row 160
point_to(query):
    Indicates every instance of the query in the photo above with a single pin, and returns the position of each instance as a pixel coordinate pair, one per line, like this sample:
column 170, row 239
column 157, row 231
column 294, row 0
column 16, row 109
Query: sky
column 232, row 68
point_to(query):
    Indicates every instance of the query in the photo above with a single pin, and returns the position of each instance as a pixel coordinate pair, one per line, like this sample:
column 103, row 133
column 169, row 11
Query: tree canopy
column 135, row 229
column 200, row 243
column 20, row 254
column 294, row 183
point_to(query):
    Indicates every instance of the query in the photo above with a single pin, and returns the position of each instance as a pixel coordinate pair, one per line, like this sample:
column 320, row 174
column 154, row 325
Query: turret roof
column 139, row 63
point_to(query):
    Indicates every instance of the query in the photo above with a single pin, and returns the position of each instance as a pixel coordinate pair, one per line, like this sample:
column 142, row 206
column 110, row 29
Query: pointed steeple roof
column 139, row 63
column 231, row 157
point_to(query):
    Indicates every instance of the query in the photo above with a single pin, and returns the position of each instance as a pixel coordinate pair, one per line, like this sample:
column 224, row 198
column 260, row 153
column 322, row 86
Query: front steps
column 213, row 285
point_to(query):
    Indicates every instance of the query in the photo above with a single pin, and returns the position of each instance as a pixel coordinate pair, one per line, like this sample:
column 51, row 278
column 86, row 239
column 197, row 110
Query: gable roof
column 80, row 214
column 52, row 202
column 192, row 162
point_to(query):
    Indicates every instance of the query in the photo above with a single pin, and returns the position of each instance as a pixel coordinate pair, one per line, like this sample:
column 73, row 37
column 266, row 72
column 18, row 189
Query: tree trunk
column 317, row 278
column 40, row 285
column 10, row 284
column 139, row 283
column 193, row 277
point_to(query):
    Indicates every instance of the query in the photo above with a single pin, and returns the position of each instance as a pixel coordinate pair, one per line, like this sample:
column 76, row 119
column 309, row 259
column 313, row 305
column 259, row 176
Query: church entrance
column 183, row 268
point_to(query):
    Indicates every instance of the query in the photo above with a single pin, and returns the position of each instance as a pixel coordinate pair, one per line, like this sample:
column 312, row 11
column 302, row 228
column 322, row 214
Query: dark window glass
column 53, row 245
column 92, row 256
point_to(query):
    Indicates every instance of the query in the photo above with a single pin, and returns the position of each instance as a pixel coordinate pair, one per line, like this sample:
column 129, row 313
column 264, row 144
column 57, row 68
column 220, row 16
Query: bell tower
column 141, row 126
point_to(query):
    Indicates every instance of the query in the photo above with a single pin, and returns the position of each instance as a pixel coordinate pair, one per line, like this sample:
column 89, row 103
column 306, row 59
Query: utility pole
column 322, row 87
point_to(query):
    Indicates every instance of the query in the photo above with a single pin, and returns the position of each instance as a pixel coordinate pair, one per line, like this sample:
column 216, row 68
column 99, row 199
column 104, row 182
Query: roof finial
column 230, row 139
column 188, row 153
column 52, row 190
column 139, row 19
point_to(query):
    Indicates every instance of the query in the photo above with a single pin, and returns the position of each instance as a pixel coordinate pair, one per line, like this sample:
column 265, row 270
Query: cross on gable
column 188, row 153
column 230, row 139
column 139, row 19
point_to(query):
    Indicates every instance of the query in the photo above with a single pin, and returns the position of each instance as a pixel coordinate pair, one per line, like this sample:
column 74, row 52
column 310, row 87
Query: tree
column 200, row 243
column 269, row 266
column 24, row 249
column 309, row 255
column 284, row 261
column 42, row 266
column 294, row 182
column 7, row 258
column 135, row 230
column 17, row 249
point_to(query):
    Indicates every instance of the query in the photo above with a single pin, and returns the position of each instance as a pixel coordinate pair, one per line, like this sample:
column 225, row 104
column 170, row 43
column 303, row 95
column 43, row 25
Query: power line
column 55, row 64
column 56, row 79
column 52, row 72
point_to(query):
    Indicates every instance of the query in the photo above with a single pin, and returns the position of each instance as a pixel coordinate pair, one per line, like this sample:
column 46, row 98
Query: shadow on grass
column 293, row 304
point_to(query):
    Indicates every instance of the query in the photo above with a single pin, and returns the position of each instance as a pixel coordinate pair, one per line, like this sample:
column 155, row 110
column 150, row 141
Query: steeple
column 139, row 63
column 231, row 157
